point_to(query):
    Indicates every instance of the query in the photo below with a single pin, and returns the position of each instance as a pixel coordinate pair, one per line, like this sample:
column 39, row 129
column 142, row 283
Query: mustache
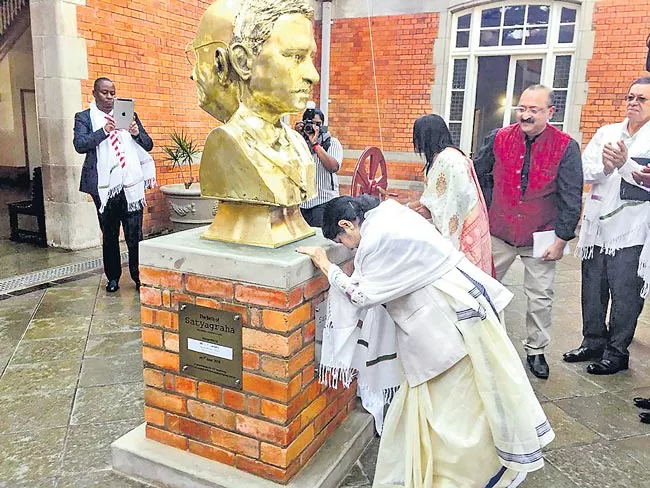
column 528, row 120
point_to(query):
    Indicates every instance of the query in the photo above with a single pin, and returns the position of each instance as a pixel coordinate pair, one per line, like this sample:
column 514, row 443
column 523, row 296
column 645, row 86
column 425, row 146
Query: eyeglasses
column 532, row 110
column 190, row 50
column 638, row 98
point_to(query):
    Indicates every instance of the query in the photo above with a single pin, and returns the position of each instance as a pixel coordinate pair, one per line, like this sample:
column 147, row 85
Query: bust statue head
column 216, row 82
column 272, row 53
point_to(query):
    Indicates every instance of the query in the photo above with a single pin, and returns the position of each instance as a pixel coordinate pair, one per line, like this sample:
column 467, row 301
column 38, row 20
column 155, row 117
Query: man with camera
column 328, row 155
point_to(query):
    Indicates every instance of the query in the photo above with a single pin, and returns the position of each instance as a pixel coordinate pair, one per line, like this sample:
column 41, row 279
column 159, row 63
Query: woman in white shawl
column 417, row 313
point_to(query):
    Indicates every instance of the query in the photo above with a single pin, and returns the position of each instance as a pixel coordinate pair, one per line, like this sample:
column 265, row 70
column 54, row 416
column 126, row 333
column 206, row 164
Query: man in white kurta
column 614, row 230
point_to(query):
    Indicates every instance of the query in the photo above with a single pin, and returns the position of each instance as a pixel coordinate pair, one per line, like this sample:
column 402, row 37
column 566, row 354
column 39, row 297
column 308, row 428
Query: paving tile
column 46, row 376
column 87, row 446
column 108, row 403
column 356, row 478
column 64, row 326
column 30, row 456
column 42, row 483
column 547, row 477
column 638, row 448
column 59, row 301
column 111, row 370
column 564, row 383
column 24, row 413
column 98, row 479
column 600, row 465
column 606, row 414
column 117, row 343
column 368, row 459
column 638, row 376
column 568, row 431
column 118, row 322
column 55, row 349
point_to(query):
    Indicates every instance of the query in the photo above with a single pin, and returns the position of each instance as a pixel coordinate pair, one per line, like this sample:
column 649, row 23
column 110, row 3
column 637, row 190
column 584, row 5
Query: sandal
column 645, row 417
column 642, row 402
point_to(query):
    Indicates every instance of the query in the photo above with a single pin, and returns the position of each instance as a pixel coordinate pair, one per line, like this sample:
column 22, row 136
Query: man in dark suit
column 115, row 210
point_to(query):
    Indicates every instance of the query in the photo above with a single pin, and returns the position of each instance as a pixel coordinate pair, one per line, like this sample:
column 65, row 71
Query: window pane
column 489, row 37
column 456, row 106
column 560, row 105
column 538, row 14
column 568, row 15
column 464, row 21
column 566, row 34
column 561, row 74
column 536, row 36
column 512, row 37
column 462, row 39
column 514, row 15
column 460, row 72
column 491, row 17
column 454, row 128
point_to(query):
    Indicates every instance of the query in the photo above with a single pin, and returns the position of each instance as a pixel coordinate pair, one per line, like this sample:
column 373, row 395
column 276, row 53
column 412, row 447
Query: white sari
column 491, row 416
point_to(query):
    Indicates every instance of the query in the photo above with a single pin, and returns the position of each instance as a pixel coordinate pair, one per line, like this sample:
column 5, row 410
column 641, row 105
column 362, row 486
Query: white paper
column 543, row 240
column 210, row 348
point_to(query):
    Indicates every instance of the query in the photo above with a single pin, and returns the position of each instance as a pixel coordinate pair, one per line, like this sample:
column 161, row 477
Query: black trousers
column 115, row 214
column 614, row 278
column 314, row 215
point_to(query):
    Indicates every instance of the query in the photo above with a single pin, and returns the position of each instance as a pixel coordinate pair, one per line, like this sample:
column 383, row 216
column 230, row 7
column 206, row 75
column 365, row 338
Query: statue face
column 218, row 99
column 283, row 73
column 218, row 94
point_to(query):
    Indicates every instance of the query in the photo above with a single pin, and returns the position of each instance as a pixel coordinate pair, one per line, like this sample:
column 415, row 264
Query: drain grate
column 22, row 282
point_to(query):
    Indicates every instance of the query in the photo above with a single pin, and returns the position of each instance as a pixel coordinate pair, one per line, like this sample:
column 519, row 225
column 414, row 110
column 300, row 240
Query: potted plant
column 187, row 208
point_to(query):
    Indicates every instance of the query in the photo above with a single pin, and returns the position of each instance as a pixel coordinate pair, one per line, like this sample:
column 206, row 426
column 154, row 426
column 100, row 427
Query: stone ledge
column 284, row 268
column 145, row 460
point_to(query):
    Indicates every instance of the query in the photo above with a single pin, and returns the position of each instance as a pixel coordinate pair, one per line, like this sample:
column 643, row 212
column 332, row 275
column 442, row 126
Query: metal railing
column 9, row 10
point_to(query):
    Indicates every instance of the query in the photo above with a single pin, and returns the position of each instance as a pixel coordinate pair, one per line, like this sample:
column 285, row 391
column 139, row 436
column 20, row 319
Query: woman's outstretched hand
column 318, row 257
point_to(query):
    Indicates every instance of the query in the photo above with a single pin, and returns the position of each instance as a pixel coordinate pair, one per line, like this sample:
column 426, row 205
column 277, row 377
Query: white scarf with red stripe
column 122, row 164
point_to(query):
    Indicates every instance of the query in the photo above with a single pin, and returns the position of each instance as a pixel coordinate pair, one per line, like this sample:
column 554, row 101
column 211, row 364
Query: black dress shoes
column 642, row 402
column 538, row 366
column 607, row 366
column 582, row 354
column 112, row 286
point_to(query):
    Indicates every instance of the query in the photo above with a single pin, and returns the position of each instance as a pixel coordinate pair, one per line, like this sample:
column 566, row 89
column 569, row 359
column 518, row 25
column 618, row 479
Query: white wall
column 16, row 73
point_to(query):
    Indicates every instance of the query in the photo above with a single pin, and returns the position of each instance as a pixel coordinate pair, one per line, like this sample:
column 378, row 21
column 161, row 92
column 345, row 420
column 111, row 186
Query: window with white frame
column 498, row 50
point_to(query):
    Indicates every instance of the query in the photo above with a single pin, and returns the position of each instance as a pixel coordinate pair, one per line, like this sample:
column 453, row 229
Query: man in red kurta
column 531, row 175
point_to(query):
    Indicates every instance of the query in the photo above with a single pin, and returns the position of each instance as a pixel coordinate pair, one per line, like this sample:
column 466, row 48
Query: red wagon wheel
column 370, row 176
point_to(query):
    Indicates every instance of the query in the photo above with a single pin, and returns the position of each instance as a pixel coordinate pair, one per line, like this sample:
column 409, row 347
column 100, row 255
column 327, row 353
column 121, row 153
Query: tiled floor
column 71, row 383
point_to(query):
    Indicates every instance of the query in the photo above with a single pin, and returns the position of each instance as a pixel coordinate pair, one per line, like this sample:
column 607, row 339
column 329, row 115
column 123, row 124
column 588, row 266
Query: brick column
column 282, row 415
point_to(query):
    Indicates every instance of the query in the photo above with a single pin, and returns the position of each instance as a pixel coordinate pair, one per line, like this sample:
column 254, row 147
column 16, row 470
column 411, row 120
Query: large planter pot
column 187, row 208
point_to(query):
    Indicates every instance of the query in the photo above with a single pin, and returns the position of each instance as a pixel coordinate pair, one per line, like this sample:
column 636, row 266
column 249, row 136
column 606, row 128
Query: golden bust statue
column 258, row 167
column 216, row 83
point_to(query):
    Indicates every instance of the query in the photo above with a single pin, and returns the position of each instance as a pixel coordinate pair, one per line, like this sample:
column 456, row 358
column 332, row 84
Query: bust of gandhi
column 254, row 157
column 216, row 82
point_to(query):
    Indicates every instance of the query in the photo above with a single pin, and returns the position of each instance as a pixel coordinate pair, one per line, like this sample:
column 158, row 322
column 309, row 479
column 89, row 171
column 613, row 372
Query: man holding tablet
column 115, row 173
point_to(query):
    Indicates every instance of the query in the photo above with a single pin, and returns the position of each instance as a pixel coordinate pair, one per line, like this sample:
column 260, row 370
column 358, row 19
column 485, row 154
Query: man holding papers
column 612, row 236
column 531, row 176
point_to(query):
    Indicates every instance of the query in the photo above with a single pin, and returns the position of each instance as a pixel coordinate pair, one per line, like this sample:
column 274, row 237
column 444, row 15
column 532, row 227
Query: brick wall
column 281, row 416
column 140, row 45
column 403, row 47
column 619, row 57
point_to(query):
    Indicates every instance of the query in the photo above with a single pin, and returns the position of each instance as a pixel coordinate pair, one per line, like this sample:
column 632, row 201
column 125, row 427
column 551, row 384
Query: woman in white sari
column 418, row 323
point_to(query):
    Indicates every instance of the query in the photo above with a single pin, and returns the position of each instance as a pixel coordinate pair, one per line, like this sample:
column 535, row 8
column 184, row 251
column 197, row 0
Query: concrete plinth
column 137, row 457
column 272, row 421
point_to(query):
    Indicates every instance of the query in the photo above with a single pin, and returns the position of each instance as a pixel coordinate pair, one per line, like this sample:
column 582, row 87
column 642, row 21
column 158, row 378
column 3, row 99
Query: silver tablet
column 123, row 112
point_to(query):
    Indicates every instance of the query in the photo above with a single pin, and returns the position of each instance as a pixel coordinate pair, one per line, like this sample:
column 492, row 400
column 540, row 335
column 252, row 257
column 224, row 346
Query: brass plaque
column 210, row 345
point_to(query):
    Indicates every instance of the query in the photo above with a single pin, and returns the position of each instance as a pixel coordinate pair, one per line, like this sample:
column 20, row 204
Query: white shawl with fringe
column 608, row 221
column 399, row 253
column 122, row 164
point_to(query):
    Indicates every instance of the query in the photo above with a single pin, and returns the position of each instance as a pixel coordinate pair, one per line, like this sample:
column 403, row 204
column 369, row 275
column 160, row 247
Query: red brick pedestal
column 282, row 415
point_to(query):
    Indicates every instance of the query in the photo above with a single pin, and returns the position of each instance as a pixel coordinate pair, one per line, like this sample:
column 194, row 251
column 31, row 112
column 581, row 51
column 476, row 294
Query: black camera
column 308, row 121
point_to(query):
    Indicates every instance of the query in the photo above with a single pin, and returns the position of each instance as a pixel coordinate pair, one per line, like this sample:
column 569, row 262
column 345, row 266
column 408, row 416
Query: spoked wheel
column 370, row 176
